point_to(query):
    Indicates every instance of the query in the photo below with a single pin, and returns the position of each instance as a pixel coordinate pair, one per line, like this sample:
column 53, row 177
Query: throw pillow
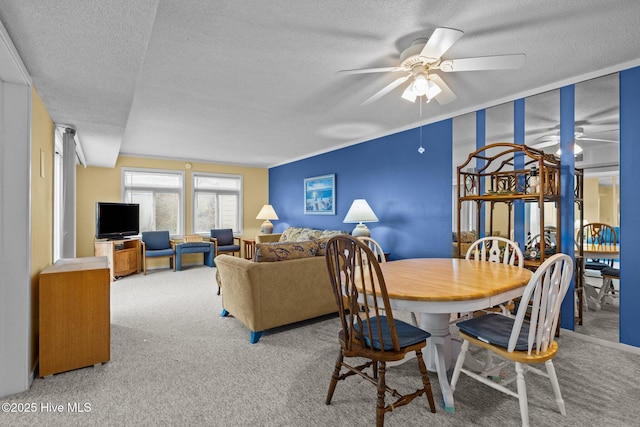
column 308, row 234
column 322, row 245
column 291, row 234
column 331, row 233
column 282, row 251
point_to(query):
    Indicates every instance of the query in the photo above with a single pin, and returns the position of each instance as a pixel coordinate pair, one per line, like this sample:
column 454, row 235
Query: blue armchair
column 224, row 242
column 156, row 244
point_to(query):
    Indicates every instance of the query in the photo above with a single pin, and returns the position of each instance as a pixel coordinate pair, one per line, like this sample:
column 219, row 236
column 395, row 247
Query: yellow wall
column 609, row 199
column 500, row 220
column 42, row 146
column 591, row 200
column 601, row 202
column 104, row 184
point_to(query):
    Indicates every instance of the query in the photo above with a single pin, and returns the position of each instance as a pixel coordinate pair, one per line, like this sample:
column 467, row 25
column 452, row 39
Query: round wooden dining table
column 438, row 287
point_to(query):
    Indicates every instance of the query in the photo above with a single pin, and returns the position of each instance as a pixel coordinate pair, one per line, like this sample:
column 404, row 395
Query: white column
column 15, row 220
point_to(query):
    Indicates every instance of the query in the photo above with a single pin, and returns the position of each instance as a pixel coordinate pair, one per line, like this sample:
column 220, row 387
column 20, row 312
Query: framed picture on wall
column 320, row 195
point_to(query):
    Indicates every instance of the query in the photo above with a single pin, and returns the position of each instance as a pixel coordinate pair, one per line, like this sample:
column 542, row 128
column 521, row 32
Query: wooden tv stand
column 123, row 255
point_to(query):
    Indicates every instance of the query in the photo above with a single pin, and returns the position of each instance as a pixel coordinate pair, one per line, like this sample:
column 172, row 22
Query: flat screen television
column 117, row 220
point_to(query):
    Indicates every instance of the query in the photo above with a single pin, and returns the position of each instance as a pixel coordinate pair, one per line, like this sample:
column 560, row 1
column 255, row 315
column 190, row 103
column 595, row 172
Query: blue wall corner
column 629, row 205
column 409, row 192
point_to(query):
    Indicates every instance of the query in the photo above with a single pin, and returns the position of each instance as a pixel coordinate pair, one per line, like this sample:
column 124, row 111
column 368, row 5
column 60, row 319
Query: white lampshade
column 360, row 212
column 267, row 212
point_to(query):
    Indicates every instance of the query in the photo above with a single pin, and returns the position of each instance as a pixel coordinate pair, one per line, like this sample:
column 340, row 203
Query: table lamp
column 360, row 212
column 267, row 212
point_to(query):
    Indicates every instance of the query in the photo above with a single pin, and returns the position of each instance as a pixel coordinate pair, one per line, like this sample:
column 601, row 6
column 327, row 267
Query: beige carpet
column 175, row 361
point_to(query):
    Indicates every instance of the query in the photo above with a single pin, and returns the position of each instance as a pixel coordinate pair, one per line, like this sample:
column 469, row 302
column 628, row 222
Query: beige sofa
column 287, row 282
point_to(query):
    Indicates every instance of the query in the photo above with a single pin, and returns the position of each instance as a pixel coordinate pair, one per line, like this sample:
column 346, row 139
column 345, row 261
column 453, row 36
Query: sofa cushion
column 290, row 234
column 322, row 241
column 304, row 234
column 331, row 233
column 282, row 251
column 299, row 234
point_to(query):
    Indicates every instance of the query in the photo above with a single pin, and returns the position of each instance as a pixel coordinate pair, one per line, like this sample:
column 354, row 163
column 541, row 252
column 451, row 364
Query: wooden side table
column 249, row 248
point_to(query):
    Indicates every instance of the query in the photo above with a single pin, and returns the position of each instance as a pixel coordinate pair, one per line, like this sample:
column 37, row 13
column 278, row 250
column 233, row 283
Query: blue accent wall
column 409, row 192
column 629, row 206
column 567, row 195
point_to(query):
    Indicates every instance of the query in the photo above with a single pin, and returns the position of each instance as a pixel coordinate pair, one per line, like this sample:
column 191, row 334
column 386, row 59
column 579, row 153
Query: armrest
column 214, row 240
column 266, row 238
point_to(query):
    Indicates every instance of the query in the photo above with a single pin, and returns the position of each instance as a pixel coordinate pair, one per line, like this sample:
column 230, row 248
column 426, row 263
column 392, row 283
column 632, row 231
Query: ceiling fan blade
column 447, row 95
column 498, row 62
column 385, row 90
column 372, row 70
column 544, row 144
column 581, row 138
column 440, row 42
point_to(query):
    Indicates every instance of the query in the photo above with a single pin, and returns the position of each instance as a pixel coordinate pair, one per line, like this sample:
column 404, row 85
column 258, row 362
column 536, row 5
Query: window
column 160, row 195
column 217, row 202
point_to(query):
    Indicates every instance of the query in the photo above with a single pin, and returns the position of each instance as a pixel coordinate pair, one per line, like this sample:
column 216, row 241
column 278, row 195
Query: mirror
column 596, row 134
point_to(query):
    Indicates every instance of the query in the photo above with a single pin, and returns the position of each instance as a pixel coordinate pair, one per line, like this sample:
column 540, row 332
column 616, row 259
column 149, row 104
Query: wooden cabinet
column 123, row 256
column 74, row 315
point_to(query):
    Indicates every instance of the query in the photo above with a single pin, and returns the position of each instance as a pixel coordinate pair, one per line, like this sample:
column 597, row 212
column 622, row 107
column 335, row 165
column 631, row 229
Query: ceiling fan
column 579, row 135
column 424, row 56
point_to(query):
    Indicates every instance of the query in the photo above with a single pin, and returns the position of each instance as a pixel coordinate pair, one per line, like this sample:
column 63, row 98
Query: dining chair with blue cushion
column 526, row 339
column 157, row 244
column 369, row 329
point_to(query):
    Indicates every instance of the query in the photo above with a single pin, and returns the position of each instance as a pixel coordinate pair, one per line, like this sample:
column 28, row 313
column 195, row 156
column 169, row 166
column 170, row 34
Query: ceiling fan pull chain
column 421, row 149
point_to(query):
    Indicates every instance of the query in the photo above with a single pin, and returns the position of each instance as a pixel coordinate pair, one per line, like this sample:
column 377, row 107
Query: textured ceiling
column 255, row 83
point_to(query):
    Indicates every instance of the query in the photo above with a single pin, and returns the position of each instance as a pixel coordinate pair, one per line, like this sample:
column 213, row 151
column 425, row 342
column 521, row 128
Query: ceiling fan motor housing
column 411, row 57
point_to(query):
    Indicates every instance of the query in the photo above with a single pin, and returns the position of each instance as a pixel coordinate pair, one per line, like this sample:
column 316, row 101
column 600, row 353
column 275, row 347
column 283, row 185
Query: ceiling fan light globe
column 432, row 89
column 409, row 94
column 420, row 85
column 576, row 150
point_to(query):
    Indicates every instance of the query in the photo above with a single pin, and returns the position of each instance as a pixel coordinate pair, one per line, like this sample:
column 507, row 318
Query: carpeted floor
column 604, row 323
column 175, row 361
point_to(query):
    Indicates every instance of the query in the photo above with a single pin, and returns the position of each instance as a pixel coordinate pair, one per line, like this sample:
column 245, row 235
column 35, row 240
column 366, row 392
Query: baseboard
column 599, row 341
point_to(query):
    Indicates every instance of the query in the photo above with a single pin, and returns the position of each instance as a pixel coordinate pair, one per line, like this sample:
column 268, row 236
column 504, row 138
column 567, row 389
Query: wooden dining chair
column 527, row 339
column 372, row 333
column 601, row 236
column 375, row 247
column 500, row 250
column 496, row 249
